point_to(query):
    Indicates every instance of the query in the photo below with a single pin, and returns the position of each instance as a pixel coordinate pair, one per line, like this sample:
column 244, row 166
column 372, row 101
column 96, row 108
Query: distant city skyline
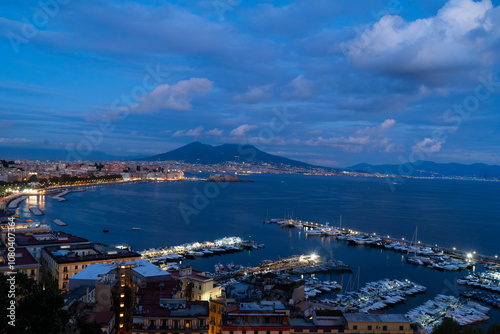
column 324, row 82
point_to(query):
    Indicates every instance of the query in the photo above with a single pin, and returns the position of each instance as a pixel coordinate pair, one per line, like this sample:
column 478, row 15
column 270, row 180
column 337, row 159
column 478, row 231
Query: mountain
column 429, row 168
column 197, row 152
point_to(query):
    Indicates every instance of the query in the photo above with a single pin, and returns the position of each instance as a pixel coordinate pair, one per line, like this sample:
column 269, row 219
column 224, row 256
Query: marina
column 374, row 296
column 432, row 313
column 489, row 280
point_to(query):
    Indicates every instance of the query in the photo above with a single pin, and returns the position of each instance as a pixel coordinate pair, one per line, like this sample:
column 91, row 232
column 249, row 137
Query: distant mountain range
column 197, row 152
column 429, row 168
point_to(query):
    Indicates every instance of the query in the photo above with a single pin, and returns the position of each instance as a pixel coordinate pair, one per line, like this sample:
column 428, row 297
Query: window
column 230, row 332
column 76, row 267
column 369, row 327
column 401, row 328
column 268, row 332
column 384, row 328
column 355, row 327
column 65, row 269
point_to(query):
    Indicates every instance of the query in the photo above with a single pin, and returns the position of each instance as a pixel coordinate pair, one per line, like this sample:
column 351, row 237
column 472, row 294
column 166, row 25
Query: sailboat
column 413, row 246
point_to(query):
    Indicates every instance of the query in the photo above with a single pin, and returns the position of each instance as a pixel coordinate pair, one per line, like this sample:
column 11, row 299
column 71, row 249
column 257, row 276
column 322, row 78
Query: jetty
column 15, row 203
column 36, row 211
column 59, row 222
column 60, row 196
column 198, row 249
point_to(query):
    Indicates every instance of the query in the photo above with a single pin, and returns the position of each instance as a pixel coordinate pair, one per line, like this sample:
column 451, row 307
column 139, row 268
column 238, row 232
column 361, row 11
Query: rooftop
column 23, row 259
column 156, row 300
column 87, row 252
column 48, row 238
column 142, row 267
column 375, row 317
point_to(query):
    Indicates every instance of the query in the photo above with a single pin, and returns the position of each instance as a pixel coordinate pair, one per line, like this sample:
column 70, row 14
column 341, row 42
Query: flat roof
column 99, row 252
column 375, row 318
column 48, row 238
column 142, row 267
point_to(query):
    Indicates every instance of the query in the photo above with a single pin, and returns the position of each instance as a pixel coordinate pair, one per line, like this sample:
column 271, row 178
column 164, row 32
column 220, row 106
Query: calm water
column 462, row 214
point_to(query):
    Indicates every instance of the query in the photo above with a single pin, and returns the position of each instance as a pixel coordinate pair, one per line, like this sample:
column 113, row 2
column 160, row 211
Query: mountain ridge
column 196, row 152
column 430, row 168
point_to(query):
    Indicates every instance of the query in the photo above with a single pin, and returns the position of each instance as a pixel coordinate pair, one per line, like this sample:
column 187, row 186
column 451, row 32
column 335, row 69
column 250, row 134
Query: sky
column 332, row 83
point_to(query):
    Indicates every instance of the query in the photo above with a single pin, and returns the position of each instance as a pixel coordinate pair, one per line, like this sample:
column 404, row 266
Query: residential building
column 377, row 323
column 262, row 317
column 24, row 262
column 62, row 262
column 159, row 309
column 197, row 286
column 35, row 242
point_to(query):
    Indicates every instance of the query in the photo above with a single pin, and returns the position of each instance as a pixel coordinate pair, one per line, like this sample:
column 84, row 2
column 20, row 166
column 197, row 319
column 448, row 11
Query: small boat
column 136, row 228
column 106, row 229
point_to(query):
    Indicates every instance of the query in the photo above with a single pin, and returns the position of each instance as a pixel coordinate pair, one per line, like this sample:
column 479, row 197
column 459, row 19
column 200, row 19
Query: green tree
column 494, row 329
column 448, row 326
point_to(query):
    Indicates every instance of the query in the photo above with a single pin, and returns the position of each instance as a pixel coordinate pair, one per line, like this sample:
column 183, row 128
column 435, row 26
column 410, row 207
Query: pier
column 408, row 246
column 59, row 222
column 198, row 249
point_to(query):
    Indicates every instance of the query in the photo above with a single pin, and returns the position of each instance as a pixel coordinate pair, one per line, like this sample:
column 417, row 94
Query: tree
column 473, row 330
column 448, row 326
column 33, row 178
column 494, row 329
column 37, row 309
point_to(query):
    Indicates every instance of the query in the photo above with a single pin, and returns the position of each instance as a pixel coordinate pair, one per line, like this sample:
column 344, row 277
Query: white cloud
column 428, row 145
column 177, row 97
column 189, row 133
column 377, row 131
column 242, row 130
column 300, row 89
column 14, row 140
column 254, row 95
column 457, row 38
column 214, row 132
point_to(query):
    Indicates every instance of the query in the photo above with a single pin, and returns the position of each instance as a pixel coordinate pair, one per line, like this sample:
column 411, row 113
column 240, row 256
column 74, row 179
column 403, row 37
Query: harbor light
column 314, row 256
column 496, row 256
column 454, row 248
column 403, row 239
column 469, row 255
column 474, row 252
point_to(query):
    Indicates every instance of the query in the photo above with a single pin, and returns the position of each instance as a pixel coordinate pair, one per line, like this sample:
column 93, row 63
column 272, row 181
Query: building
column 62, row 262
column 377, row 323
column 142, row 273
column 197, row 286
column 35, row 242
column 24, row 262
column 28, row 227
column 262, row 317
column 159, row 309
column 106, row 319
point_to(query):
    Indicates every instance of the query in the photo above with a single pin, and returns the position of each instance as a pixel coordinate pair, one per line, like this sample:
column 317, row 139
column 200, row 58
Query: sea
column 450, row 213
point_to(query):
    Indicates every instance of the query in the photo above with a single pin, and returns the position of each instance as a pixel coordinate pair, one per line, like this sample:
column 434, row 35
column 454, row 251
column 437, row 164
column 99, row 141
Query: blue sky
column 328, row 82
